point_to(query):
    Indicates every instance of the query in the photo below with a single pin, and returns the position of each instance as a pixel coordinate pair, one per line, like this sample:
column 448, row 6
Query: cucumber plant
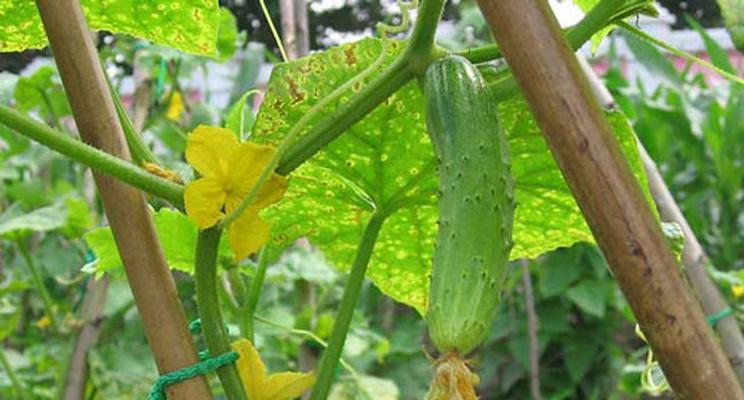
column 376, row 194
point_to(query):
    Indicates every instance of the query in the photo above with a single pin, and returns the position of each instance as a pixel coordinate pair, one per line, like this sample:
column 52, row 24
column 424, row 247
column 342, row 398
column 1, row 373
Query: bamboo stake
column 581, row 140
column 693, row 256
column 126, row 208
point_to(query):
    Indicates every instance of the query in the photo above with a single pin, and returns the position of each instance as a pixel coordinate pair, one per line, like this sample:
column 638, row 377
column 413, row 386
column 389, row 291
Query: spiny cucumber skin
column 476, row 205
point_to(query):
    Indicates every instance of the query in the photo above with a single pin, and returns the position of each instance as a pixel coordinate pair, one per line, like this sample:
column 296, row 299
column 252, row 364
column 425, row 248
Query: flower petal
column 287, row 385
column 247, row 234
column 209, row 150
column 204, row 199
column 246, row 164
column 271, row 192
column 250, row 368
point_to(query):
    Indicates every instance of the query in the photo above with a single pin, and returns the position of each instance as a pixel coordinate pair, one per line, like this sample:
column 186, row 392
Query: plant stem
column 17, row 387
column 92, row 157
column 207, row 299
column 237, row 286
column 679, row 53
column 532, row 326
column 346, row 115
column 140, row 152
column 407, row 66
column 421, row 49
column 38, row 282
column 346, row 310
column 254, row 293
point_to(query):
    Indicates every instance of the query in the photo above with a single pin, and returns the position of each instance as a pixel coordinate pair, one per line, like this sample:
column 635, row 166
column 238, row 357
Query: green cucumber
column 476, row 205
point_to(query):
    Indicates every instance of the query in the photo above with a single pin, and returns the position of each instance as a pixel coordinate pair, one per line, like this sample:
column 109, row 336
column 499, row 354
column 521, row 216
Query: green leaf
column 78, row 217
column 188, row 25
column 590, row 297
column 631, row 7
column 15, row 221
column 578, row 355
column 733, row 16
column 101, row 241
column 177, row 235
column 227, row 35
column 386, row 161
column 560, row 269
column 654, row 60
column 9, row 317
column 718, row 56
column 240, row 116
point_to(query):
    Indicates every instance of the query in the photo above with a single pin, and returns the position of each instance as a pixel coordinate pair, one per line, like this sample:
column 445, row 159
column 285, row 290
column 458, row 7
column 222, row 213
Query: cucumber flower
column 259, row 385
column 229, row 170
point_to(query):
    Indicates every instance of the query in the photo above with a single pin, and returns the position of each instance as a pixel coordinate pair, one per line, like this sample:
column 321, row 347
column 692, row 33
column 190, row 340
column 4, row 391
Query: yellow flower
column 260, row 386
column 175, row 107
column 737, row 290
column 44, row 322
column 229, row 170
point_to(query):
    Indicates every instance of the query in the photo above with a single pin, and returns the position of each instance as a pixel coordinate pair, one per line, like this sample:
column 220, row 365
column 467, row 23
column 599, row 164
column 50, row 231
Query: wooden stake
column 126, row 209
column 585, row 149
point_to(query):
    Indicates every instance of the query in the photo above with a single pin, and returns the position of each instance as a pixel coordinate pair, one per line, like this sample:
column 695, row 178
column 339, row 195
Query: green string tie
column 717, row 317
column 204, row 366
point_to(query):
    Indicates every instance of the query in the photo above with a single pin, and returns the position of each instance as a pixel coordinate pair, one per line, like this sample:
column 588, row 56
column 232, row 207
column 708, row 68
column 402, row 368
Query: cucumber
column 476, row 205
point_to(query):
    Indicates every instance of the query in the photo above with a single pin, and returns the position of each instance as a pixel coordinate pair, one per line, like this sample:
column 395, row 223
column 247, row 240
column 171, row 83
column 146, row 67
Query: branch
column 207, row 299
column 593, row 164
column 92, row 157
column 532, row 324
column 332, row 354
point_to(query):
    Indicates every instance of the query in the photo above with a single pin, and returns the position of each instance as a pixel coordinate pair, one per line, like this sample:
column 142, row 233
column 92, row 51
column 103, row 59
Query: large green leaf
column 386, row 161
column 188, row 25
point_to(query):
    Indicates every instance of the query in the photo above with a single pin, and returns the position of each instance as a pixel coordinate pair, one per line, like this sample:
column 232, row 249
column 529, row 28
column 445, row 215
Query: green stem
column 237, row 285
column 254, row 293
column 92, row 157
column 298, row 127
column 594, row 21
column 679, row 53
column 309, row 334
column 274, row 33
column 346, row 310
column 17, row 387
column 421, row 49
column 346, row 115
column 38, row 282
column 207, row 299
column 53, row 114
column 140, row 152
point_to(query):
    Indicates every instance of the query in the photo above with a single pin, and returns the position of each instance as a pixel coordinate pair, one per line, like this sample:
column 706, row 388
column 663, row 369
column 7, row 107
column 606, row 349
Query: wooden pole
column 593, row 164
column 693, row 256
column 126, row 209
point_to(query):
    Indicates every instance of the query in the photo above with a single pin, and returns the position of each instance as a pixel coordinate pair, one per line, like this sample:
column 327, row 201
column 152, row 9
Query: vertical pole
column 585, row 149
column 126, row 209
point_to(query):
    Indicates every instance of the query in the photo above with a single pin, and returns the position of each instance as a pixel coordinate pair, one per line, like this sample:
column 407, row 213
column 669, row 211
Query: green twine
column 207, row 365
column 204, row 366
column 717, row 317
